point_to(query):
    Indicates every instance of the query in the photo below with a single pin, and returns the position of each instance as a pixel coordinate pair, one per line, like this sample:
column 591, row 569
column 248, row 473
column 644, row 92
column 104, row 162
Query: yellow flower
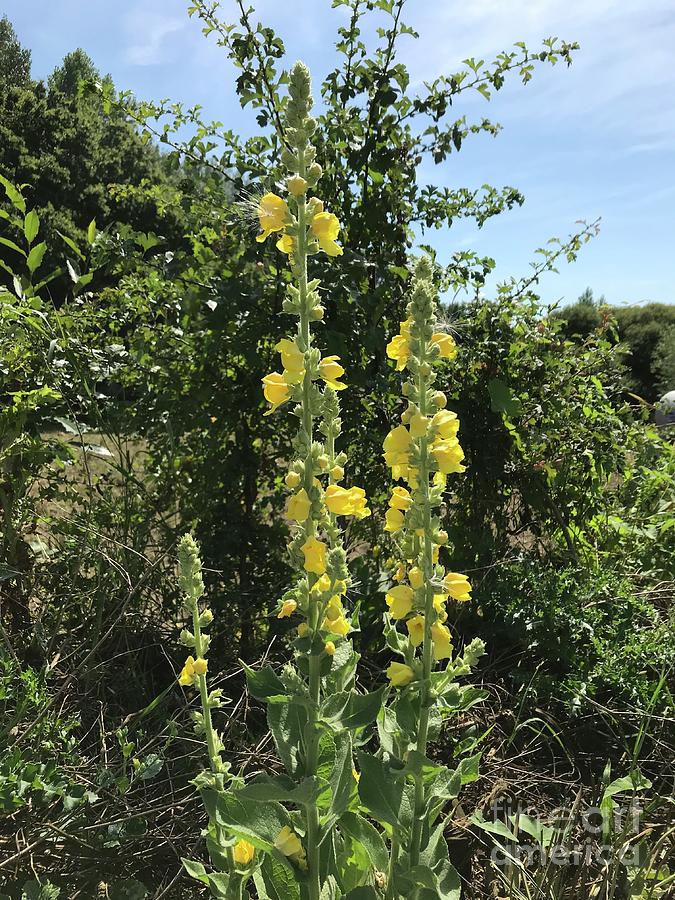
column 405, row 327
column 315, row 556
column 329, row 647
column 286, row 244
column 398, row 349
column 343, row 502
column 288, row 607
column 415, row 628
column 447, row 424
column 322, row 585
column 445, row 342
column 331, row 370
column 400, row 499
column 399, row 674
column 292, row 359
column 243, row 853
column 458, row 586
column 299, row 506
column 325, row 228
column 357, row 775
column 187, row 675
column 396, row 447
column 440, row 635
column 335, row 620
column 273, row 215
column 448, row 455
column 288, row 843
column 399, row 599
column 399, row 574
column 439, row 606
column 393, row 520
column 419, row 425
column 416, row 577
column 200, row 666
column 276, row 390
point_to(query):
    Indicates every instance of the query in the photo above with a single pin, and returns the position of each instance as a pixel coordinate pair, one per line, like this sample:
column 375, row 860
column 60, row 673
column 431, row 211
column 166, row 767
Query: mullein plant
column 322, row 829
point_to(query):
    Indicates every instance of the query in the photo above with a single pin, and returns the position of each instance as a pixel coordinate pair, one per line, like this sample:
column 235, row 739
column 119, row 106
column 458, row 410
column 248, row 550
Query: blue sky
column 597, row 139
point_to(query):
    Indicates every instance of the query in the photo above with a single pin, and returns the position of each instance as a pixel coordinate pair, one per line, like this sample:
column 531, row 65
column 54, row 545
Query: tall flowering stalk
column 422, row 452
column 309, row 833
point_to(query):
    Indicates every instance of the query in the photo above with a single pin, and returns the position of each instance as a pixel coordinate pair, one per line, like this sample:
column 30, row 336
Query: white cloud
column 149, row 30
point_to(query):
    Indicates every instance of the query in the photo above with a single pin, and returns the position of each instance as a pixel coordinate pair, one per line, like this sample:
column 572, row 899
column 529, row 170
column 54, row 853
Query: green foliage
column 645, row 331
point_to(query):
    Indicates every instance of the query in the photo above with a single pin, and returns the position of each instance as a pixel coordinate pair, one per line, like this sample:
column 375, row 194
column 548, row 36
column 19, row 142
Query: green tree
column 14, row 59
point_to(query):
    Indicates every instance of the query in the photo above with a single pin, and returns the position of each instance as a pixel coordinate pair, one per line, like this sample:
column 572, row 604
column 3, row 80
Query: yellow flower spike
column 416, row 578
column 292, row 480
column 400, row 499
column 243, row 853
column 419, row 425
column 187, row 675
column 326, row 228
column 393, row 520
column 303, row 629
column 276, row 390
column 448, row 455
column 299, row 506
column 399, row 674
column 288, row 607
column 288, row 843
column 329, row 647
column 398, row 349
column 296, row 185
column 446, row 344
column 273, row 215
column 292, row 359
column 315, row 556
column 286, row 244
column 399, row 599
column 458, row 586
column 442, row 641
column 415, row 628
column 330, row 371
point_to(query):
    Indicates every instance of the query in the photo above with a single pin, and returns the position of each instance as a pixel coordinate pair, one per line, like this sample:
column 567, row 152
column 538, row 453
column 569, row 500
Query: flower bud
column 440, row 400
column 292, row 480
column 442, row 537
column 297, row 185
column 316, row 314
column 329, row 647
column 206, row 617
column 337, row 473
column 323, row 462
column 425, row 370
column 303, row 629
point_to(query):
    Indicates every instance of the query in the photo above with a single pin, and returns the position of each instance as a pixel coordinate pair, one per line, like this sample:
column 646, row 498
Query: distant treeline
column 647, row 331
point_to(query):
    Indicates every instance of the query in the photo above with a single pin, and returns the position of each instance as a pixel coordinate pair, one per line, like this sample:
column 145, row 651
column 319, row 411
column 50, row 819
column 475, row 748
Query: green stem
column 427, row 647
column 214, row 757
column 313, row 823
